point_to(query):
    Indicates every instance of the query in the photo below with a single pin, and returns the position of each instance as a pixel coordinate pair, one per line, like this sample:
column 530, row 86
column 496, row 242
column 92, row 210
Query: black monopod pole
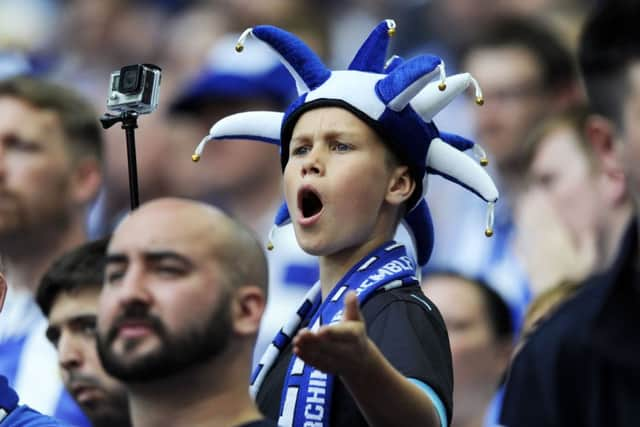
column 129, row 121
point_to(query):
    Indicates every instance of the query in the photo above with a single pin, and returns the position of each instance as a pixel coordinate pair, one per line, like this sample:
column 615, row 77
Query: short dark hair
column 77, row 116
column 557, row 62
column 498, row 311
column 608, row 44
column 80, row 268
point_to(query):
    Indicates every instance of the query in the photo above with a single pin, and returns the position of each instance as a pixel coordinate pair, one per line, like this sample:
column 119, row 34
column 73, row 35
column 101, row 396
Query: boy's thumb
column 351, row 309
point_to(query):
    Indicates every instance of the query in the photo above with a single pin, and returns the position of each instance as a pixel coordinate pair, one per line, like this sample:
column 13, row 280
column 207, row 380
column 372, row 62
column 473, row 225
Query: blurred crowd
column 560, row 218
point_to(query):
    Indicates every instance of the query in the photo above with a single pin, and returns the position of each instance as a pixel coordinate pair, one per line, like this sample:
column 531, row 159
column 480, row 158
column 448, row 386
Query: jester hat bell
column 396, row 98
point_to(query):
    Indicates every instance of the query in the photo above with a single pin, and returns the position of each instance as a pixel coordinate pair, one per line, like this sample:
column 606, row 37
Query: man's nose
column 69, row 352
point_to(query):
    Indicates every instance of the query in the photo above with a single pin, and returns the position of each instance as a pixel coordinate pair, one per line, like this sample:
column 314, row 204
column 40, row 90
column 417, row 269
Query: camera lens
column 130, row 77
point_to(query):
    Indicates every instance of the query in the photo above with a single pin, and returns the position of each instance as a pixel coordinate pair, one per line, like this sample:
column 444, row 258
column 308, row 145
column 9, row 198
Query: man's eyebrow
column 151, row 257
column 157, row 256
column 116, row 259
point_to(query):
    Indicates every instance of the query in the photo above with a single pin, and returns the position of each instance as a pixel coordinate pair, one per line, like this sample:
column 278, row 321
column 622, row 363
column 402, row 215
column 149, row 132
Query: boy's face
column 335, row 181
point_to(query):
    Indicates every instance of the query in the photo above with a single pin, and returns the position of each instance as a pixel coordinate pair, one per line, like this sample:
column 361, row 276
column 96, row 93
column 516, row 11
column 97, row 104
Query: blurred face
column 335, row 181
column 35, row 173
column 478, row 358
column 561, row 172
column 511, row 81
column 164, row 306
column 228, row 168
column 629, row 148
column 72, row 330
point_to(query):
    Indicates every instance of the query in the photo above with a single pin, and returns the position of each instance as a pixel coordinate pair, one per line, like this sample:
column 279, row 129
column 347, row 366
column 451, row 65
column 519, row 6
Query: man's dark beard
column 32, row 233
column 176, row 353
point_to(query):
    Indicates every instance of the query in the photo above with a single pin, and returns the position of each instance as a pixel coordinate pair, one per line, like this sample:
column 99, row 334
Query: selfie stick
column 129, row 121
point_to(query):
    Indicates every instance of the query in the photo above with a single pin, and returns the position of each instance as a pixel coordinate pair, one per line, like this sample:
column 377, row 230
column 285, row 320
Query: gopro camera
column 134, row 88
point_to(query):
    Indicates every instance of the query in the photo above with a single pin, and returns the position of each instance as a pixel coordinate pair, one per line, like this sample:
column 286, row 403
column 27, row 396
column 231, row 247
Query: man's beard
column 113, row 410
column 176, row 353
column 24, row 228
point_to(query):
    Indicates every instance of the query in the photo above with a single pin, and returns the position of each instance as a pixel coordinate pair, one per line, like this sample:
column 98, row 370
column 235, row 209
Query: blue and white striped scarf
column 306, row 395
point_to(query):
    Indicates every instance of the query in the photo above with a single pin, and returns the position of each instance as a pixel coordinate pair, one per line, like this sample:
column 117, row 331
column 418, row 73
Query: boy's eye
column 300, row 149
column 340, row 146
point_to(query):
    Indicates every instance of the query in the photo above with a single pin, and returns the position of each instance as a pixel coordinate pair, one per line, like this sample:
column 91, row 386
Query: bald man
column 185, row 288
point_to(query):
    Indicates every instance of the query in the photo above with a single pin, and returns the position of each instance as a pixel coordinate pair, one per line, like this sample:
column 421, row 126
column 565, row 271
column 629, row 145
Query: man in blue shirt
column 10, row 412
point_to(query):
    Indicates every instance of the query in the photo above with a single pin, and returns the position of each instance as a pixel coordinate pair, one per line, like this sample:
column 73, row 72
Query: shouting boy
column 366, row 347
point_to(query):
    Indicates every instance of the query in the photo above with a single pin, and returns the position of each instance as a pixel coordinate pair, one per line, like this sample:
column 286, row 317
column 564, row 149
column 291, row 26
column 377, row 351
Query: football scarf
column 306, row 395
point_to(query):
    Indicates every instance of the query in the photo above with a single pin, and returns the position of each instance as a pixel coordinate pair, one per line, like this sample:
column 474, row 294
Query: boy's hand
column 342, row 348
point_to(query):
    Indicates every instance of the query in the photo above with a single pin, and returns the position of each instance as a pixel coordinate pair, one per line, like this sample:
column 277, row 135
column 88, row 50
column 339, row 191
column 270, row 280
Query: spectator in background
column 240, row 176
column 572, row 216
column 50, row 171
column 525, row 72
column 185, row 288
column 581, row 367
column 68, row 296
column 480, row 327
column 12, row 414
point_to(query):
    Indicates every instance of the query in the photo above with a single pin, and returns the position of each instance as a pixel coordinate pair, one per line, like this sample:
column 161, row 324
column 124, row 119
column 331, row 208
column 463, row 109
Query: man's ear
column 3, row 290
column 401, row 186
column 248, row 306
column 600, row 133
column 86, row 180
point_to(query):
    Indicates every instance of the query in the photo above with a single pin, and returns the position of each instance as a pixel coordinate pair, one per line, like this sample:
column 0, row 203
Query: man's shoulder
column 571, row 321
column 24, row 416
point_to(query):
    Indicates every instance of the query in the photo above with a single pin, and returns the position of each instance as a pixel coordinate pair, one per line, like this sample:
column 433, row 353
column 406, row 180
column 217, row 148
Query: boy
column 354, row 152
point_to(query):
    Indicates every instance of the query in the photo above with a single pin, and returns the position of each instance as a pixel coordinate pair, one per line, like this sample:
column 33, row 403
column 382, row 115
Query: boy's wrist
column 367, row 362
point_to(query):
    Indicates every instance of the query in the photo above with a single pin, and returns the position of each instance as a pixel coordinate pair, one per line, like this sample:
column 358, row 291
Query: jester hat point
column 396, row 98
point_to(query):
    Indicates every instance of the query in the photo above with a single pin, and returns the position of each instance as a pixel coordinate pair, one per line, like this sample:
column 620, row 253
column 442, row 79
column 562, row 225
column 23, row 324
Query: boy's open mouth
column 309, row 202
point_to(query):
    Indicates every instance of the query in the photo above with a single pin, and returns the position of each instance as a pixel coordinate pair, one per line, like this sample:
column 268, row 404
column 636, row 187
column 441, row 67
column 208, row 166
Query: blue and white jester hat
column 397, row 98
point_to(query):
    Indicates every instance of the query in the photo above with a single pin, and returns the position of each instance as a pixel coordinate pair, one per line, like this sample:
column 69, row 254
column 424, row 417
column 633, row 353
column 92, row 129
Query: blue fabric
column 8, row 397
column 10, row 351
column 295, row 52
column 302, row 275
column 275, row 85
column 435, row 399
column 457, row 141
column 420, row 223
column 372, row 55
column 282, row 216
column 23, row 416
column 404, row 75
column 387, row 264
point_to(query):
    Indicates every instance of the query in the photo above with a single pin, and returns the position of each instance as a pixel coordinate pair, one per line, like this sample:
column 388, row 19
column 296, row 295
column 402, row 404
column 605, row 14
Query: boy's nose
column 312, row 165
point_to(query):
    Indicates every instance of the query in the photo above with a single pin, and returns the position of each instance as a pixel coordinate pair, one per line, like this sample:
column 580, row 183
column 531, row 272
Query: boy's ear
column 248, row 306
column 401, row 186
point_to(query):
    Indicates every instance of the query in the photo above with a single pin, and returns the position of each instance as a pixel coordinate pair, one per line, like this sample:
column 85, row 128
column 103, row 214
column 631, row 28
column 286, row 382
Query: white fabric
column 355, row 88
column 448, row 160
column 432, row 100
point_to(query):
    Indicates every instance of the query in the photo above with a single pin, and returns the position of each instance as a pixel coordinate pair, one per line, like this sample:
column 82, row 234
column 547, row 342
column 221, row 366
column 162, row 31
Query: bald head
column 180, row 224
